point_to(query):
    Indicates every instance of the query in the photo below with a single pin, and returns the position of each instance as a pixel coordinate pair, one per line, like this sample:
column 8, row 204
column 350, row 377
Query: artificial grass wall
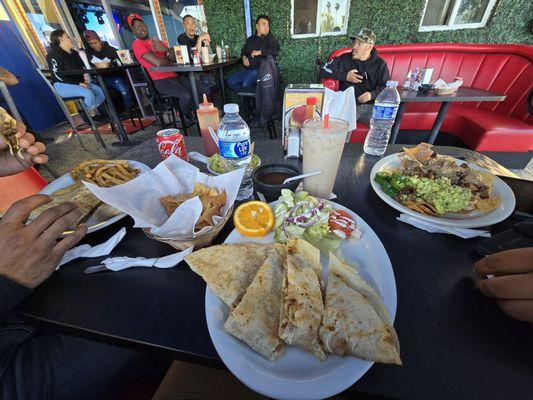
column 394, row 21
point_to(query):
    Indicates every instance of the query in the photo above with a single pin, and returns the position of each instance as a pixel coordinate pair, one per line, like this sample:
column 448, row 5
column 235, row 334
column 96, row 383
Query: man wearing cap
column 101, row 50
column 154, row 53
column 363, row 69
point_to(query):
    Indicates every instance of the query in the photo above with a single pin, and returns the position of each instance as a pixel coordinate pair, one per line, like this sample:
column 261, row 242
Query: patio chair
column 165, row 105
column 80, row 105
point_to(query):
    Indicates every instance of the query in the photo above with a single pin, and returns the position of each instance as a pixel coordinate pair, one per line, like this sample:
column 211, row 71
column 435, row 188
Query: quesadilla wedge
column 77, row 194
column 351, row 325
column 255, row 320
column 301, row 302
column 228, row 269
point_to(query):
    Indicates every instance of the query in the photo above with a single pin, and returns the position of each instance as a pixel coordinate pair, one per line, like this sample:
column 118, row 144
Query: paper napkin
column 88, row 251
column 430, row 227
column 120, row 263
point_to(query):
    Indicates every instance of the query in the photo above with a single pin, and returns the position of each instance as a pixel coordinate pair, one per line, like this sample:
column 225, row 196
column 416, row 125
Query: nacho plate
column 474, row 219
column 298, row 374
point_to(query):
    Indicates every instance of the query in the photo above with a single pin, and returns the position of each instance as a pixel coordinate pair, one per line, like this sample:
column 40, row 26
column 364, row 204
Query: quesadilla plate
column 298, row 374
column 102, row 216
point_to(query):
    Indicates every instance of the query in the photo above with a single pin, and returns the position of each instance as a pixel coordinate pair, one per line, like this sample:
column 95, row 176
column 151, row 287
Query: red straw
column 326, row 121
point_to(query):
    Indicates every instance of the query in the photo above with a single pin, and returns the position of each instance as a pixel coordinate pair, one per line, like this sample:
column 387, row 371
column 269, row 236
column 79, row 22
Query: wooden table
column 465, row 94
column 191, row 69
column 455, row 342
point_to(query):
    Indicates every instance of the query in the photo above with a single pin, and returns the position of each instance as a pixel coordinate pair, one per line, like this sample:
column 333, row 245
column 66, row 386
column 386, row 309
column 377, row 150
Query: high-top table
column 465, row 94
column 455, row 342
column 191, row 69
column 115, row 119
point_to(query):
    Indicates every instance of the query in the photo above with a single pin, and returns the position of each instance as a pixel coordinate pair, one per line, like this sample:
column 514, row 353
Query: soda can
column 170, row 141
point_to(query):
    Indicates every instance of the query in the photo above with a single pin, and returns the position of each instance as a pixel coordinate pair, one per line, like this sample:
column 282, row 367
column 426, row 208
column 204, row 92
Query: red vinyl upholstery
column 19, row 186
column 484, row 126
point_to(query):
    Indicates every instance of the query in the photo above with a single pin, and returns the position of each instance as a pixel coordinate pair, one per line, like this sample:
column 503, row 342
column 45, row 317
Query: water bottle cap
column 392, row 83
column 231, row 108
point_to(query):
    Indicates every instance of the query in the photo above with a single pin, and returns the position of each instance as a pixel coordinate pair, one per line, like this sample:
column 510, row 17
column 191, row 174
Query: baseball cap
column 365, row 35
column 90, row 35
column 132, row 17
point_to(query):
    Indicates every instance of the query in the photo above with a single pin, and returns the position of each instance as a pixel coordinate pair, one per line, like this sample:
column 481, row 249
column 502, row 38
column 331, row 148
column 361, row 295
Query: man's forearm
column 11, row 295
column 7, row 77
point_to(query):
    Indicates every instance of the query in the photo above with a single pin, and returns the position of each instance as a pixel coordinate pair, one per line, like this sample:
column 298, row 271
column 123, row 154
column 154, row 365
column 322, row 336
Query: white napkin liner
column 120, row 263
column 430, row 227
column 139, row 197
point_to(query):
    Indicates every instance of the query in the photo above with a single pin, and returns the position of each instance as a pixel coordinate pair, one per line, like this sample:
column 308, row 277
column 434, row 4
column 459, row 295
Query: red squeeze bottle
column 208, row 117
column 310, row 107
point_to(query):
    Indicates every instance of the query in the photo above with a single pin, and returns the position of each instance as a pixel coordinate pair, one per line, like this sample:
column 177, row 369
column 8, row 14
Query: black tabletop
column 462, row 94
column 196, row 67
column 455, row 343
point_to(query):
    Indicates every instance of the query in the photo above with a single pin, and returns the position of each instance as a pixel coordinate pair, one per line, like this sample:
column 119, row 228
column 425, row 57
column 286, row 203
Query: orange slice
column 253, row 218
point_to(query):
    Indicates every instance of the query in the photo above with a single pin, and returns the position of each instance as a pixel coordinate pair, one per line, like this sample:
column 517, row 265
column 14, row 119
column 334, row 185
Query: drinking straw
column 205, row 98
column 326, row 116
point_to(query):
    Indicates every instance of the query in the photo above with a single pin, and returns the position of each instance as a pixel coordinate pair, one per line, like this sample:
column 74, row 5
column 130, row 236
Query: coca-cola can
column 170, row 141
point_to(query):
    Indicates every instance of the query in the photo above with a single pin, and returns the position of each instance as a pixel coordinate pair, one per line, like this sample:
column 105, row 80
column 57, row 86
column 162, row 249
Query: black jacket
column 60, row 61
column 267, row 104
column 107, row 51
column 374, row 71
column 268, row 45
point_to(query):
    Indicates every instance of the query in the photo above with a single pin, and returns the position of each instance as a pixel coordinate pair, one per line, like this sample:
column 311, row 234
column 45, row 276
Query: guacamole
column 218, row 165
column 441, row 193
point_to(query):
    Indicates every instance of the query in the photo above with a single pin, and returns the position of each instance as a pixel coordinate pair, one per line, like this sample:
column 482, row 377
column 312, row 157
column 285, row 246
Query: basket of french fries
column 104, row 173
column 175, row 203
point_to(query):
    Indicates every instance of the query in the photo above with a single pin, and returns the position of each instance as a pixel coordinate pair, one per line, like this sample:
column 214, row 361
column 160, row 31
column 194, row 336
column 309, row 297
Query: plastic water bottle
column 383, row 116
column 234, row 145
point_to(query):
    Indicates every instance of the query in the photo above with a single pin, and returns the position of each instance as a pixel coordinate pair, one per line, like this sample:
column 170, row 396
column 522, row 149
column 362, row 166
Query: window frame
column 450, row 25
column 342, row 32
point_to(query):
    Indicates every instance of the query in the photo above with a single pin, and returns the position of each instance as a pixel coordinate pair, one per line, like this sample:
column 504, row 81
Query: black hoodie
column 268, row 45
column 59, row 61
column 374, row 71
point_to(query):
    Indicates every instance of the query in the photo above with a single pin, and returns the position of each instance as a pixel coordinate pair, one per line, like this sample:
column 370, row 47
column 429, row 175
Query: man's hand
column 33, row 153
column 256, row 53
column 204, row 37
column 158, row 45
column 353, row 77
column 245, row 61
column 84, row 84
column 30, row 253
column 512, row 285
column 365, row 97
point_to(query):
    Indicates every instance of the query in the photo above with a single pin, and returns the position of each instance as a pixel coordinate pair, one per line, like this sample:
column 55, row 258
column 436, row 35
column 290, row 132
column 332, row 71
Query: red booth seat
column 484, row 126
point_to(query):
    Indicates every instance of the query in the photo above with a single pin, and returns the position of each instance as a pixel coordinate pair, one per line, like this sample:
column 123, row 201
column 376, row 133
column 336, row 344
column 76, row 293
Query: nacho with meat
column 434, row 184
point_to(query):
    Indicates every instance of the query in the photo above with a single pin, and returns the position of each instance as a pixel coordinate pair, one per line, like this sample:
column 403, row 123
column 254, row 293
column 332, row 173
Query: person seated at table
column 101, row 50
column 7, row 77
column 256, row 48
column 35, row 364
column 154, row 53
column 512, row 284
column 189, row 37
column 363, row 69
column 61, row 58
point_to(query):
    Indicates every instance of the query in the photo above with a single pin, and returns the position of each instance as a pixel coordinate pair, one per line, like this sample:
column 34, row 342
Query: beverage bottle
column 407, row 81
column 234, row 146
column 208, row 118
column 383, row 116
column 219, row 53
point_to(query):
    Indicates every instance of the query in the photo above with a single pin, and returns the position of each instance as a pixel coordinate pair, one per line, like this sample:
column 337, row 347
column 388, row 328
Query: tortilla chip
column 421, row 207
column 421, row 153
column 486, row 205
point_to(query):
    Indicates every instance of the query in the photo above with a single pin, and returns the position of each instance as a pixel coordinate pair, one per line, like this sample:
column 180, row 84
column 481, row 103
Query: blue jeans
column 120, row 85
column 243, row 78
column 92, row 96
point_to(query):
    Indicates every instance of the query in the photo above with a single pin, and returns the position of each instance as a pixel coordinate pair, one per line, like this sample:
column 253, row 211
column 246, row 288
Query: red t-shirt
column 141, row 47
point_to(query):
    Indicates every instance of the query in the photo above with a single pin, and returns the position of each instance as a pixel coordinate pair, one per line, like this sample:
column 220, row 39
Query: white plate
column 297, row 374
column 475, row 219
column 93, row 224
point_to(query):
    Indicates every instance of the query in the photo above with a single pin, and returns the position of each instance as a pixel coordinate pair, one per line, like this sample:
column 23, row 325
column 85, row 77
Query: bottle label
column 238, row 149
column 382, row 111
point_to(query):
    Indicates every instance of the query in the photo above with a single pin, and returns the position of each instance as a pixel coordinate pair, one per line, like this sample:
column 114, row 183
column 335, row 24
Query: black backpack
column 267, row 100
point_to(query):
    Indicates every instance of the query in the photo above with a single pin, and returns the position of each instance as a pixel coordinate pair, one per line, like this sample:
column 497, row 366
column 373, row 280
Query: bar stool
column 246, row 100
column 80, row 105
